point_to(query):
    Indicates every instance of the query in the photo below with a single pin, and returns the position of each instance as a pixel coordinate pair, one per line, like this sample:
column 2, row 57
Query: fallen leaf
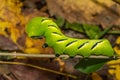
column 114, row 68
column 117, row 47
column 104, row 12
column 95, row 76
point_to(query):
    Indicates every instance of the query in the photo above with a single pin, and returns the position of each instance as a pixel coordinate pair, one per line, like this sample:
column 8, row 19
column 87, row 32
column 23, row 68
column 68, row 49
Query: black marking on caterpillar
column 95, row 44
column 83, row 44
column 62, row 40
column 45, row 45
column 70, row 43
column 57, row 33
column 37, row 37
column 52, row 26
column 57, row 55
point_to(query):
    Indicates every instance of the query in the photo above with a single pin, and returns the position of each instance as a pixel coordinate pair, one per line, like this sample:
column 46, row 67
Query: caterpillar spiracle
column 62, row 44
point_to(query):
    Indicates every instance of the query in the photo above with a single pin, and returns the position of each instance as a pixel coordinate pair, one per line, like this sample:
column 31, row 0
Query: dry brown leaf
column 12, row 25
column 104, row 12
column 33, row 46
column 10, row 15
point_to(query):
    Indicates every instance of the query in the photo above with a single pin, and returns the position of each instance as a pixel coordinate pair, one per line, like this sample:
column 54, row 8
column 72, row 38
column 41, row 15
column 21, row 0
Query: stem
column 105, row 31
column 38, row 67
column 114, row 32
column 14, row 55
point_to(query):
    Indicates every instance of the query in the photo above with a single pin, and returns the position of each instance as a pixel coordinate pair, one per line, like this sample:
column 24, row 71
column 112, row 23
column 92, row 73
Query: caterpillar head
column 35, row 27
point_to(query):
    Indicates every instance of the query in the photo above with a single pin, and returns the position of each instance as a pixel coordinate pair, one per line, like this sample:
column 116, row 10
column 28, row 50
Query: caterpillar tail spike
column 41, row 26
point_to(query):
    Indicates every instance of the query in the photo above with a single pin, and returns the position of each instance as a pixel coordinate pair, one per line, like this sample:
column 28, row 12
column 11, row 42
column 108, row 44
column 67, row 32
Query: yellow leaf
column 34, row 46
column 117, row 50
column 95, row 76
column 28, row 42
column 32, row 51
column 3, row 27
column 31, row 47
column 118, row 40
column 114, row 68
column 12, row 25
column 11, row 18
column 117, row 47
column 14, row 34
column 117, row 72
column 113, row 62
column 111, row 71
column 10, row 10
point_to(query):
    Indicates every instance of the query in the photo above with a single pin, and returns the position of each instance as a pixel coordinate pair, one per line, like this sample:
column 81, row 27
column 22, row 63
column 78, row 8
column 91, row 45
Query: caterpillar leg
column 61, row 63
column 45, row 45
column 57, row 55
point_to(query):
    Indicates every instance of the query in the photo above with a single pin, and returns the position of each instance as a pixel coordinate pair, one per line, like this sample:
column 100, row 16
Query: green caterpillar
column 62, row 44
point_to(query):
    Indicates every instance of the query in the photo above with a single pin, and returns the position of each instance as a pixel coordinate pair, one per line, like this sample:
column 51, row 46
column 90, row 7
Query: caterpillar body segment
column 65, row 45
column 95, row 47
column 52, row 35
column 33, row 27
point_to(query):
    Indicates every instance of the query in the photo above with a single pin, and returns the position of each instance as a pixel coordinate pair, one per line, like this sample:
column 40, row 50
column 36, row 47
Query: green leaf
column 105, row 31
column 92, row 31
column 90, row 65
column 74, row 26
column 60, row 21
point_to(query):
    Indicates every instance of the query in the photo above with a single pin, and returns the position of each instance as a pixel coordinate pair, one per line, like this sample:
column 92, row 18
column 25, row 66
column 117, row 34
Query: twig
column 104, row 32
column 14, row 54
column 38, row 67
column 114, row 32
